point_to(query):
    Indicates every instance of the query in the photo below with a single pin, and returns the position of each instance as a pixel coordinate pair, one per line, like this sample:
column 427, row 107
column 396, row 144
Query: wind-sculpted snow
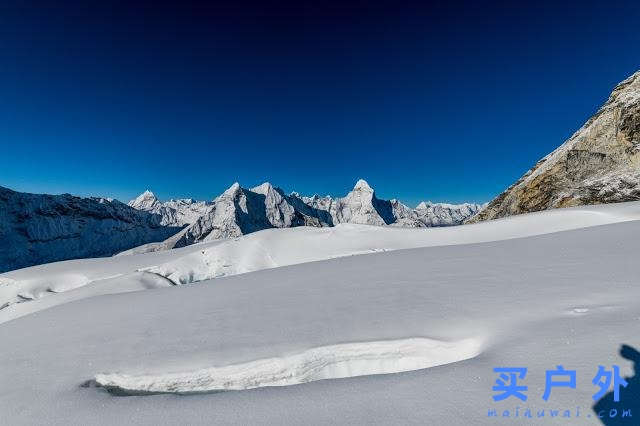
column 39, row 287
column 37, row 228
column 325, row 362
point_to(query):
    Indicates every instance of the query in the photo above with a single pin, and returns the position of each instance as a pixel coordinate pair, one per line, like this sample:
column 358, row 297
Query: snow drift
column 326, row 362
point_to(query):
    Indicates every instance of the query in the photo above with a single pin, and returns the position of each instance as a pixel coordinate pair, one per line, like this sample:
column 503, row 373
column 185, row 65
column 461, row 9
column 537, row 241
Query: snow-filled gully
column 320, row 363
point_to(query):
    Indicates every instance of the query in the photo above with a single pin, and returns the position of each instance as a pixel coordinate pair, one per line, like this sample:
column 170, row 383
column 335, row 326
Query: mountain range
column 41, row 228
column 600, row 163
column 239, row 211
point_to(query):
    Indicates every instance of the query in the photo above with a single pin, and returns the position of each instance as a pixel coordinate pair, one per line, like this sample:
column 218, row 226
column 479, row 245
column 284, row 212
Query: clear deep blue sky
column 448, row 102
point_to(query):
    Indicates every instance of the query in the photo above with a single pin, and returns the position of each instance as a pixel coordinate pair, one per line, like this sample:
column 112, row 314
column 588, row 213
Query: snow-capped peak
column 362, row 185
column 263, row 188
column 144, row 201
column 173, row 212
column 232, row 191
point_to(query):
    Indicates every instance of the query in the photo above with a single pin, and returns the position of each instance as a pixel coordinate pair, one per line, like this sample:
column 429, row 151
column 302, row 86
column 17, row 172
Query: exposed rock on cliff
column 600, row 163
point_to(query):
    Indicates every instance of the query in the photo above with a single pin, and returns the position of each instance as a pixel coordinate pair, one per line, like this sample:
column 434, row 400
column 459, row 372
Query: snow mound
column 324, row 362
column 12, row 291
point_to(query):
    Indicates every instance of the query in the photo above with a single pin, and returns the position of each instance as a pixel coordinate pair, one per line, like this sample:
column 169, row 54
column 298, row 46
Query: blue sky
column 445, row 102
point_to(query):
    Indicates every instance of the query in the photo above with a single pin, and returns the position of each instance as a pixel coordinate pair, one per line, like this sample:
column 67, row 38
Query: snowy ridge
column 445, row 214
column 173, row 212
column 38, row 228
column 327, row 362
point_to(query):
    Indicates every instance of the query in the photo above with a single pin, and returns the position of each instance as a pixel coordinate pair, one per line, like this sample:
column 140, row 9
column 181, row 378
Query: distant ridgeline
column 240, row 211
column 37, row 228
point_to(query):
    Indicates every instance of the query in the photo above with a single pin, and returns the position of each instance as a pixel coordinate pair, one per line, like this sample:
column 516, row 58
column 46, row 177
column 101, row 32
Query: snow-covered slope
column 567, row 298
column 173, row 212
column 600, row 163
column 38, row 228
column 40, row 287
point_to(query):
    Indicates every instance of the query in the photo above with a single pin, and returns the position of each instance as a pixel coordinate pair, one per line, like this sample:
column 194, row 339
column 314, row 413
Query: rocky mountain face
column 600, row 163
column 38, row 228
column 173, row 212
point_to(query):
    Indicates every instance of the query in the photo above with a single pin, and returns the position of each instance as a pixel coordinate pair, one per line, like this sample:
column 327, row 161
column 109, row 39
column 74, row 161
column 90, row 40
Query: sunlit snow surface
column 526, row 294
column 44, row 286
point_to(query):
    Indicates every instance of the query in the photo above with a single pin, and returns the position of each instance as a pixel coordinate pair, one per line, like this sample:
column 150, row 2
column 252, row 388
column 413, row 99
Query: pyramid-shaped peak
column 362, row 185
column 146, row 195
column 232, row 191
column 263, row 188
column 145, row 200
